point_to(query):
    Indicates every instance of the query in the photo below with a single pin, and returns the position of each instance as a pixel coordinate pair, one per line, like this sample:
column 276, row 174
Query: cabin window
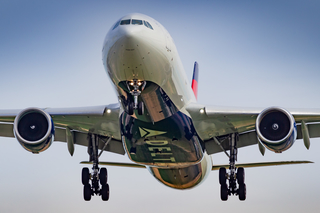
column 125, row 22
column 136, row 22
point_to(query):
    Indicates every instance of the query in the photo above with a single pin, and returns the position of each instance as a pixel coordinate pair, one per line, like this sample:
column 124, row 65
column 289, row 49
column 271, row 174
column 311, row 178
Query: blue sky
column 251, row 53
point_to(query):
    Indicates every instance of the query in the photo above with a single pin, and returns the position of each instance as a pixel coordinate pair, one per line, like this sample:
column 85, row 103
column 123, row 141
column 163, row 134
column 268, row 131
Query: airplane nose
column 131, row 34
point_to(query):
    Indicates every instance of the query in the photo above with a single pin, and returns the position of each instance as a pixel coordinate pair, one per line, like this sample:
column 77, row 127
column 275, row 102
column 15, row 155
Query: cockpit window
column 147, row 24
column 133, row 22
column 116, row 25
column 125, row 22
column 136, row 22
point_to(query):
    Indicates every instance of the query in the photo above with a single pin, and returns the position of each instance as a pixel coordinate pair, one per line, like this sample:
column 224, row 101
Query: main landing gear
column 233, row 176
column 98, row 177
column 135, row 87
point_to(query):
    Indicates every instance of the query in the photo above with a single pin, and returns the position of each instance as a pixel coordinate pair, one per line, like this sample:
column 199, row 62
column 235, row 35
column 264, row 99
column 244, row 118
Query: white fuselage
column 139, row 48
column 137, row 52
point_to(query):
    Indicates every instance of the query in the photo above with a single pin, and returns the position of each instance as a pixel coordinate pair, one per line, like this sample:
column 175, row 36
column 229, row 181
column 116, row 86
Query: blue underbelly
column 171, row 142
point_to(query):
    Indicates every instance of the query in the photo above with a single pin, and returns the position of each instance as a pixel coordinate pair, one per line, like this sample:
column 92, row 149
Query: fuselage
column 139, row 49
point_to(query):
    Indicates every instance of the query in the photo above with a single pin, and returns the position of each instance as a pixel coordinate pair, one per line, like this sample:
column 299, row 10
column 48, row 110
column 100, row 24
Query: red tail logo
column 194, row 84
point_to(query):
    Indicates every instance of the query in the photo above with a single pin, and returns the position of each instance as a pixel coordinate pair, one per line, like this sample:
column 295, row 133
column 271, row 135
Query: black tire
column 85, row 176
column 87, row 192
column 130, row 108
column 224, row 192
column 105, row 192
column 240, row 176
column 140, row 108
column 222, row 176
column 103, row 176
column 242, row 192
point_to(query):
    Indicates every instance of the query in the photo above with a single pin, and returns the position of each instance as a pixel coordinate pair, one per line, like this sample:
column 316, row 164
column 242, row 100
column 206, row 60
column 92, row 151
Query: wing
column 214, row 167
column 261, row 164
column 76, row 123
column 214, row 123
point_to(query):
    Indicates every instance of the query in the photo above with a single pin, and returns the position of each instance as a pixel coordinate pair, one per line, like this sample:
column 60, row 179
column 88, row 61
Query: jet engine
column 34, row 129
column 276, row 129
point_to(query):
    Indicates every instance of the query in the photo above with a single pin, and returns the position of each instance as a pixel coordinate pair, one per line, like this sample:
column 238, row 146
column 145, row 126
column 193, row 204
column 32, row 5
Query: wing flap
column 245, row 139
column 313, row 128
column 81, row 139
column 6, row 130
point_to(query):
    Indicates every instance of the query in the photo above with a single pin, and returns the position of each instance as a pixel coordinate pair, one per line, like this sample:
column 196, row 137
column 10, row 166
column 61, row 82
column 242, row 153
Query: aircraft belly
column 171, row 142
column 184, row 177
column 180, row 178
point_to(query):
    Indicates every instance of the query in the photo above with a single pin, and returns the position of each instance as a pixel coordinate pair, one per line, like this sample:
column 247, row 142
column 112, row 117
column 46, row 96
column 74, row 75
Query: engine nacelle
column 34, row 129
column 276, row 129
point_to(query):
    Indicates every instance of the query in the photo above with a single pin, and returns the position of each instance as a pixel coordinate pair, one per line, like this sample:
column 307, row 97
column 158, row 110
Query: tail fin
column 194, row 84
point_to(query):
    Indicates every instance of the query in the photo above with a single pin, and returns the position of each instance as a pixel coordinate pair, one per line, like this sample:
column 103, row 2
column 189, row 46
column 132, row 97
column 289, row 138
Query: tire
column 224, row 192
column 222, row 176
column 87, row 192
column 85, row 176
column 105, row 192
column 242, row 192
column 130, row 108
column 240, row 175
column 103, row 176
column 140, row 108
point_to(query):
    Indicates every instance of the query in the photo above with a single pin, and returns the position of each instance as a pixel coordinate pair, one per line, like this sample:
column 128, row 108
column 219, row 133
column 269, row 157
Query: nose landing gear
column 135, row 87
column 233, row 176
column 98, row 177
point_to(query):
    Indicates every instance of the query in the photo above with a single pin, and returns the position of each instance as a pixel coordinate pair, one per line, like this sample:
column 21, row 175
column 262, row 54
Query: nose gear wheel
column 135, row 88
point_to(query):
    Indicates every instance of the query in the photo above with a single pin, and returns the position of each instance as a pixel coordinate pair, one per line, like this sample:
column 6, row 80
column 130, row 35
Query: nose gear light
column 135, row 88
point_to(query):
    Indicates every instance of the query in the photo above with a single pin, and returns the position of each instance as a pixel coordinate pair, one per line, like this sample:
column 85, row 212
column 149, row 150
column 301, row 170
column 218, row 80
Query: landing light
column 108, row 111
column 201, row 111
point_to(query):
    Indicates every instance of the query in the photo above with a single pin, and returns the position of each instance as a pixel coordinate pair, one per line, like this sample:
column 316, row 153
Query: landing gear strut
column 135, row 87
column 98, row 177
column 233, row 176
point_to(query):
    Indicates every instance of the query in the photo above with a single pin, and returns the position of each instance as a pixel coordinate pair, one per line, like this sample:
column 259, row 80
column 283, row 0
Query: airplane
column 157, row 121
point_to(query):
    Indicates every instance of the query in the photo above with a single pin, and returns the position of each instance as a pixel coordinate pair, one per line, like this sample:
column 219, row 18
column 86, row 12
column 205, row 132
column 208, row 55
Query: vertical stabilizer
column 194, row 84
